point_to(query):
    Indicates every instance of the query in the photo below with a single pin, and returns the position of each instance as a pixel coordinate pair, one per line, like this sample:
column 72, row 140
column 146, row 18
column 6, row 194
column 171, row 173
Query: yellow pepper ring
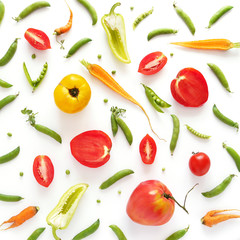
column 72, row 94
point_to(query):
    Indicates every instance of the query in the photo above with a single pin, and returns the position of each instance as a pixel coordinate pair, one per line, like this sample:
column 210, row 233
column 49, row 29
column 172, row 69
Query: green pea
column 105, row 100
column 119, row 192
column 131, row 8
column 98, row 201
column 99, row 56
column 67, row 172
column 9, row 134
column 21, row 174
column 175, row 134
column 33, row 56
column 114, row 71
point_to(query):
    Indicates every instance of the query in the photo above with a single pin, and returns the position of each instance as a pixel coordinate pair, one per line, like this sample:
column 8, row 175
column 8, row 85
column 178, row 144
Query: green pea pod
column 5, row 84
column 235, row 156
column 61, row 215
column 125, row 129
column 114, row 124
column 5, row 101
column 118, row 232
column 178, row 234
column 176, row 129
column 36, row 234
column 9, row 156
column 2, row 11
column 114, row 27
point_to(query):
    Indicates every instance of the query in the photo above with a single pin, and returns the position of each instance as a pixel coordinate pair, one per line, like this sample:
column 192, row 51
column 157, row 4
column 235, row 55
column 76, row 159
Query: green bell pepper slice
column 114, row 27
column 61, row 215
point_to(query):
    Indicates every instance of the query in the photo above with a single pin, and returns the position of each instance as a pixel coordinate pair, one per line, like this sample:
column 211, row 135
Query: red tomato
column 190, row 88
column 199, row 164
column 43, row 170
column 148, row 149
column 152, row 63
column 148, row 206
column 91, row 148
column 38, row 39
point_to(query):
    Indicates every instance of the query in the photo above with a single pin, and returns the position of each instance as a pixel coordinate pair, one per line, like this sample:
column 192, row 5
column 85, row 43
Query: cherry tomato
column 199, row 163
column 43, row 170
column 152, row 63
column 148, row 149
column 147, row 204
column 190, row 88
column 72, row 94
column 37, row 38
column 91, row 148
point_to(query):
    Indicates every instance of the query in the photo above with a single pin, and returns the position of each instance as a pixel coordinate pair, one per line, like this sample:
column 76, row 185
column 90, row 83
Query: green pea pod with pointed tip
column 114, row 26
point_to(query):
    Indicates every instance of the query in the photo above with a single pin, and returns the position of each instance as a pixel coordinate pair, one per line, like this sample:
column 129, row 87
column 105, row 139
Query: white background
column 96, row 115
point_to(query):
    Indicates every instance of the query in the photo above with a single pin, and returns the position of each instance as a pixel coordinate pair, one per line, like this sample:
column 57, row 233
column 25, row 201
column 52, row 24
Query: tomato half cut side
column 91, row 148
column 43, row 170
column 152, row 63
column 37, row 39
column 148, row 149
column 190, row 88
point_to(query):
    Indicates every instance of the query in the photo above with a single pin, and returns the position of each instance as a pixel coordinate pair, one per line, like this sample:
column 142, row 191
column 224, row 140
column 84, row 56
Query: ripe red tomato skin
column 142, row 149
column 149, row 58
column 148, row 206
column 190, row 88
column 40, row 162
column 91, row 148
column 37, row 39
column 199, row 164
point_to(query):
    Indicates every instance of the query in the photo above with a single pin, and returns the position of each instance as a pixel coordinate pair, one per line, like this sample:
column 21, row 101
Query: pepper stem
column 85, row 63
column 54, row 233
column 113, row 7
column 236, row 45
column 167, row 196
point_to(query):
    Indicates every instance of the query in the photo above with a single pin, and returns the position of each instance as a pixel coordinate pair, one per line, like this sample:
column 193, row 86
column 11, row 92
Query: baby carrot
column 217, row 44
column 104, row 77
column 212, row 217
column 23, row 216
column 67, row 27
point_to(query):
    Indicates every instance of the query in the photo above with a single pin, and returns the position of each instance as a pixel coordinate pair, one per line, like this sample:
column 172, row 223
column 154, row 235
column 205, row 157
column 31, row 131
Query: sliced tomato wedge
column 190, row 88
column 148, row 149
column 43, row 170
column 152, row 63
column 37, row 38
column 91, row 148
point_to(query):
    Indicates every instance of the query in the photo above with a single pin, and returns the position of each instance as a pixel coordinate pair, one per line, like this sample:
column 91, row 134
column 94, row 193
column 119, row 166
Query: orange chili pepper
column 104, row 77
column 212, row 217
column 67, row 27
column 23, row 216
column 217, row 44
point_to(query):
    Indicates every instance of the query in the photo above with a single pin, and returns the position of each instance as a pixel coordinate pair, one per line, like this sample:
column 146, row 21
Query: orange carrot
column 104, row 77
column 212, row 217
column 67, row 27
column 23, row 216
column 217, row 44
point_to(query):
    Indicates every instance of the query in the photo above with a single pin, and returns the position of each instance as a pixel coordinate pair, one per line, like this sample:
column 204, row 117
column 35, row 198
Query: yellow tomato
column 72, row 94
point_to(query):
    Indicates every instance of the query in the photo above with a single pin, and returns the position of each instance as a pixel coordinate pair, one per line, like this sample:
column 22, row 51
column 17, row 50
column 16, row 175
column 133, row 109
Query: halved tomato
column 148, row 149
column 190, row 88
column 43, row 170
column 152, row 63
column 91, row 148
column 37, row 38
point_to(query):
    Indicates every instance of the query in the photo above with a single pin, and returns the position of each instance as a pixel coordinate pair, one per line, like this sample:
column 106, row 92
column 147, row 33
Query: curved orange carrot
column 217, row 44
column 104, row 77
column 212, row 217
column 67, row 27
column 23, row 216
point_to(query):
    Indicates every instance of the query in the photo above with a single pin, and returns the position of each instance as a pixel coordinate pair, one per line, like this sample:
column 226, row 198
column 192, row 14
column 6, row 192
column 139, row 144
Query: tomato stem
column 74, row 92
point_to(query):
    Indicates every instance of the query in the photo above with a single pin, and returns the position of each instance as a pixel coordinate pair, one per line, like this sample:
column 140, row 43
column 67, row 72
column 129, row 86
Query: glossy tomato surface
column 37, row 38
column 43, row 170
column 91, row 148
column 148, row 206
column 148, row 149
column 72, row 94
column 152, row 63
column 199, row 164
column 190, row 88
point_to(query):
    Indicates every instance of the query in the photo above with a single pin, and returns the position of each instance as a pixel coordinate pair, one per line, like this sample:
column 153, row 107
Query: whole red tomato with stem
column 152, row 63
column 43, row 170
column 151, row 203
column 37, row 38
column 190, row 88
column 91, row 148
column 148, row 149
column 199, row 163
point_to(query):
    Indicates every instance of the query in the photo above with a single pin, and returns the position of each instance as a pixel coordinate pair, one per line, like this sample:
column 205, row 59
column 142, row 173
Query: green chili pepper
column 178, row 234
column 36, row 234
column 118, row 232
column 176, row 128
column 117, row 176
column 2, row 11
column 233, row 154
column 61, row 215
column 219, row 188
column 114, row 27
column 88, row 231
